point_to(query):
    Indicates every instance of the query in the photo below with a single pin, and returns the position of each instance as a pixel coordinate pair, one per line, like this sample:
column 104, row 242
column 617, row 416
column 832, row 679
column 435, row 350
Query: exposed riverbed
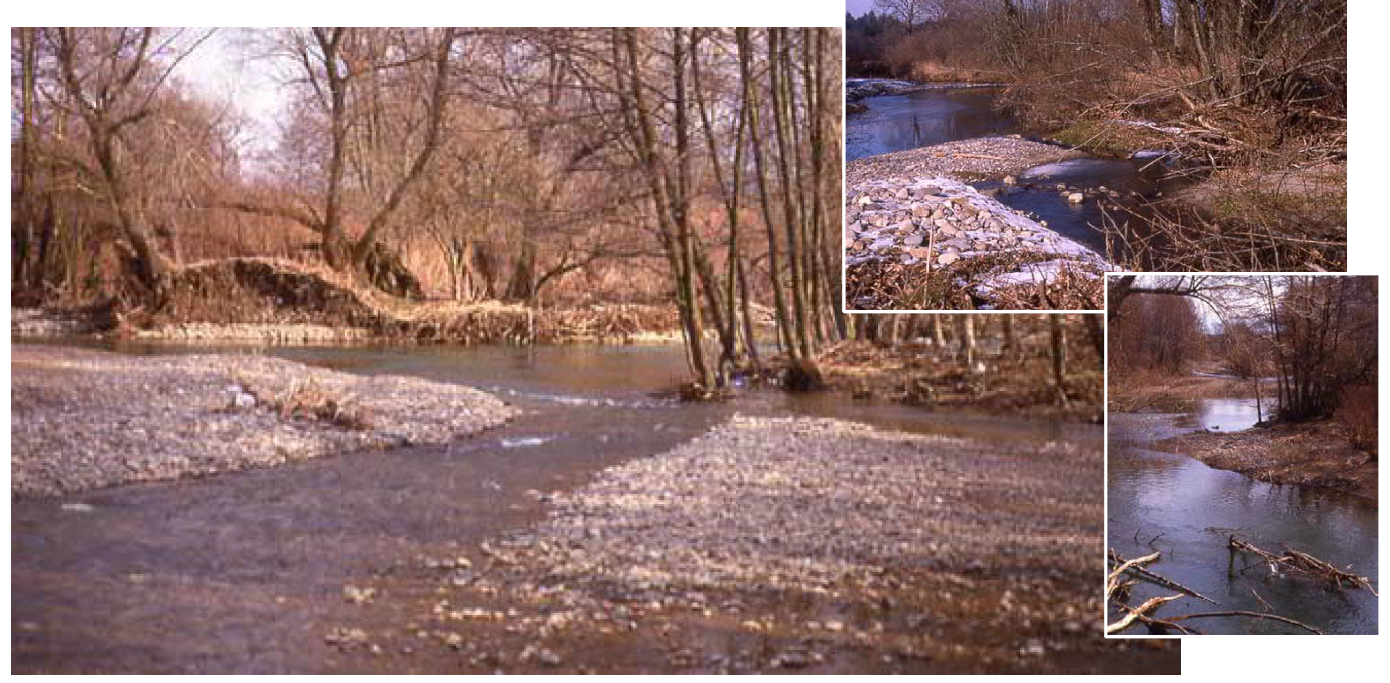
column 1175, row 504
column 248, row 572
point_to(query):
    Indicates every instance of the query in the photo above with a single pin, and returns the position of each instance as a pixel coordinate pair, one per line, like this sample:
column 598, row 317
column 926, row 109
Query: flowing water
column 922, row 118
column 1175, row 504
column 221, row 573
column 929, row 117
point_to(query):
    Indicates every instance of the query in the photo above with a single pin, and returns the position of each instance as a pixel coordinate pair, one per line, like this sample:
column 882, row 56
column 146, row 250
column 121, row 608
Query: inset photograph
column 1242, row 454
column 1004, row 155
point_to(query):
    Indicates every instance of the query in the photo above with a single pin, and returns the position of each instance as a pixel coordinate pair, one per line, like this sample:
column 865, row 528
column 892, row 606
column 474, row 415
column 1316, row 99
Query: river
column 238, row 572
column 928, row 117
column 1175, row 504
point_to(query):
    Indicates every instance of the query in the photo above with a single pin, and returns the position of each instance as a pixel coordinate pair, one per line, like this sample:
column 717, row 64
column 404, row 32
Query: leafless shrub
column 1358, row 412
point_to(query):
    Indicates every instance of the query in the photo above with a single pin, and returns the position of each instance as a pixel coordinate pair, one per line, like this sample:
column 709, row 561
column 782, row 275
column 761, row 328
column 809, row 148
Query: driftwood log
column 1157, row 578
column 1145, row 613
column 1302, row 563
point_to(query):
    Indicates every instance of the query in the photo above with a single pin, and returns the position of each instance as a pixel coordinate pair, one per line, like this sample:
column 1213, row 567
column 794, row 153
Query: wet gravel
column 88, row 419
column 793, row 544
column 806, row 503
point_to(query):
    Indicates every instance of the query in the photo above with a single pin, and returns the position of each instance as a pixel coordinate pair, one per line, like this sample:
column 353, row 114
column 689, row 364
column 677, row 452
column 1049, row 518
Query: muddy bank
column 279, row 301
column 89, row 419
column 1317, row 454
column 785, row 544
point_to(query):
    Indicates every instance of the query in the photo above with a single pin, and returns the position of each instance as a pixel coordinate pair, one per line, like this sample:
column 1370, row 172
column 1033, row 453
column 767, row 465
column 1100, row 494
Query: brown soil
column 278, row 300
column 887, row 285
column 1308, row 454
column 1018, row 382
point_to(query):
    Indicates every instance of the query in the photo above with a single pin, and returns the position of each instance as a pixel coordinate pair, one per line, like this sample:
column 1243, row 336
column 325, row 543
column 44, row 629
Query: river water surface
column 928, row 117
column 1173, row 503
column 239, row 572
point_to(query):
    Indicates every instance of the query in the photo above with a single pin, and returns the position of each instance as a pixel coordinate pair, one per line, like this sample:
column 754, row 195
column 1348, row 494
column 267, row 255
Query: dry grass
column 305, row 399
column 886, row 285
column 1150, row 390
column 935, row 72
column 1358, row 414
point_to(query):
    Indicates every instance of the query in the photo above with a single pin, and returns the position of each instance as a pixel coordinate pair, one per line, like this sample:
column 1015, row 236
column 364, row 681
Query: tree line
column 694, row 165
column 1315, row 336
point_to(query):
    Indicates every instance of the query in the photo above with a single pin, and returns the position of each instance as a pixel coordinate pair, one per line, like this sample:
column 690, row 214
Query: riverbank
column 90, row 419
column 1016, row 382
column 1134, row 392
column 862, row 550
column 918, row 237
column 279, row 301
column 1318, row 454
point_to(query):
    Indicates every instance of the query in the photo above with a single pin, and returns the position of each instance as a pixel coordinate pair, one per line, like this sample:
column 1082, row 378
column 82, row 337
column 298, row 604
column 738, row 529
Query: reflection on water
column 922, row 118
column 1037, row 193
column 1230, row 414
column 1173, row 503
column 625, row 379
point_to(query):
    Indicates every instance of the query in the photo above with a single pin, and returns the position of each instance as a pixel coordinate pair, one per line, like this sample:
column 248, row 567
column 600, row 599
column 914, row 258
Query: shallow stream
column 929, row 117
column 237, row 572
column 1175, row 504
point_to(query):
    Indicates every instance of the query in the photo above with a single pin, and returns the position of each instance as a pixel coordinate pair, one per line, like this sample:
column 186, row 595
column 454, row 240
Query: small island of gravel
column 90, row 419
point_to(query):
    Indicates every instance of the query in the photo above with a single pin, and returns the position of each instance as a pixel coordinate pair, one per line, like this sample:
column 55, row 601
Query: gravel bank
column 1315, row 454
column 806, row 503
column 88, row 419
column 794, row 543
column 939, row 222
column 947, row 159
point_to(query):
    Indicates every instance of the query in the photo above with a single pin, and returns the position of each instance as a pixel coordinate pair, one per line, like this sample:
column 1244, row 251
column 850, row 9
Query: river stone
column 947, row 259
column 919, row 252
column 912, row 240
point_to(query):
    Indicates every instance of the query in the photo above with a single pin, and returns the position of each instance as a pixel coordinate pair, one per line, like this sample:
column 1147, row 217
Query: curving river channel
column 1175, row 504
column 237, row 572
column 922, row 118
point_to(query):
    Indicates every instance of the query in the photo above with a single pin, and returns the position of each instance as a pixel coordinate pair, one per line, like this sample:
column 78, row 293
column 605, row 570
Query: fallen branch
column 1159, row 579
column 1242, row 613
column 1112, row 582
column 1137, row 613
column 1303, row 563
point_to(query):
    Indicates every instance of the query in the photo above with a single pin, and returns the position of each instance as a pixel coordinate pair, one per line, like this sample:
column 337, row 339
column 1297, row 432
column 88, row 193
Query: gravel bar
column 85, row 419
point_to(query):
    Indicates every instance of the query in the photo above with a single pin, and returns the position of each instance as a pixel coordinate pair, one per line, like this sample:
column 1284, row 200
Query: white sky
column 222, row 70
